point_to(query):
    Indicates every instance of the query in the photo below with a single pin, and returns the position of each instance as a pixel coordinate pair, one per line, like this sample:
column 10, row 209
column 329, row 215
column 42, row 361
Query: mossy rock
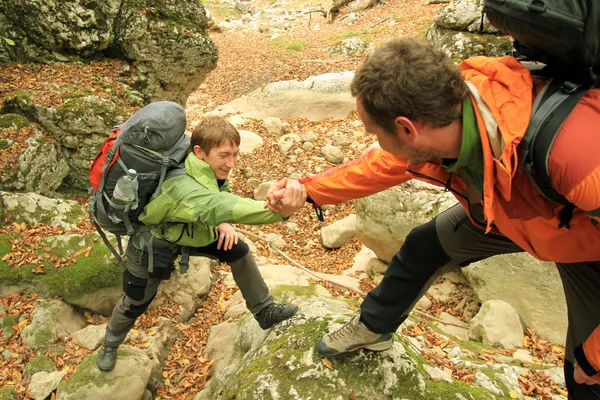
column 13, row 121
column 8, row 393
column 39, row 363
column 89, row 274
column 7, row 323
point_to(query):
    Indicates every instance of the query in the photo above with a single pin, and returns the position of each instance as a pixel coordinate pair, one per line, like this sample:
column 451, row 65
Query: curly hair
column 409, row 78
column 214, row 131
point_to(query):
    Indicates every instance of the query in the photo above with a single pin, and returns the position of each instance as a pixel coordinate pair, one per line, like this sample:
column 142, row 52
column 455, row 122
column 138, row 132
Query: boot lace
column 348, row 329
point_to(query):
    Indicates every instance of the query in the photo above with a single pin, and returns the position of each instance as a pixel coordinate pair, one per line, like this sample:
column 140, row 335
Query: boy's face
column 222, row 158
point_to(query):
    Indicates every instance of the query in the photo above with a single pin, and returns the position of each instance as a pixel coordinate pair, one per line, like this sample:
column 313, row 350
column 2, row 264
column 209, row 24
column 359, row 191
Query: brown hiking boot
column 351, row 337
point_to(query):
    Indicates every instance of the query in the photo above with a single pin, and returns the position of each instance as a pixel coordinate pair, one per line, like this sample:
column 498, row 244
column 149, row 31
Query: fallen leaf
column 152, row 333
column 165, row 374
column 561, row 392
column 23, row 323
column 144, row 345
column 327, row 363
column 513, row 394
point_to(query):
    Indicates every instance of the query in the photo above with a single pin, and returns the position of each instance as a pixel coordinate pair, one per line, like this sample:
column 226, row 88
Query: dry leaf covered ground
column 247, row 60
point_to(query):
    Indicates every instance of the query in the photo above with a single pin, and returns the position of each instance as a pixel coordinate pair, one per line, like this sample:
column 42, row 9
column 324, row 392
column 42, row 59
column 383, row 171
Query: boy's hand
column 275, row 194
column 227, row 236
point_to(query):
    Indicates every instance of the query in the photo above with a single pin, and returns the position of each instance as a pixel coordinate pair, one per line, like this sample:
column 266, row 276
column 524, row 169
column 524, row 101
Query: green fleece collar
column 201, row 172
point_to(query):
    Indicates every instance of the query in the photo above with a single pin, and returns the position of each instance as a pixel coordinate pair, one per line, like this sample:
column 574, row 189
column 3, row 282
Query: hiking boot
column 107, row 357
column 275, row 313
column 351, row 337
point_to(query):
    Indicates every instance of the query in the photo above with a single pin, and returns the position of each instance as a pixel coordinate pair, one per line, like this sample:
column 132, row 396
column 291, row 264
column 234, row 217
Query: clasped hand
column 286, row 197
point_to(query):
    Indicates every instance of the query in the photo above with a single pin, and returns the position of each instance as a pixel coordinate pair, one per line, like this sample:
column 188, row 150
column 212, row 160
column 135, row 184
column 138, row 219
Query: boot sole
column 373, row 347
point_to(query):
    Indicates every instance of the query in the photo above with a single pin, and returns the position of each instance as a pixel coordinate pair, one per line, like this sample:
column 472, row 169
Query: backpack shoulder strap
column 557, row 101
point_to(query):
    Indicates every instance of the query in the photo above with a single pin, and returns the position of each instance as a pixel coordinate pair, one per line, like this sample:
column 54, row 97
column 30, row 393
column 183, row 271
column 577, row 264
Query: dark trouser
column 451, row 240
column 140, row 288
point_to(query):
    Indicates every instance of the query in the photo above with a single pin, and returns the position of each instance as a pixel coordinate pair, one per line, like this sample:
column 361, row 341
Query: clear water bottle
column 125, row 193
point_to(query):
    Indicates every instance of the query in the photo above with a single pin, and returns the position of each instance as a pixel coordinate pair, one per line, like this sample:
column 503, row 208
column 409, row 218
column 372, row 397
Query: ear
column 406, row 130
column 198, row 152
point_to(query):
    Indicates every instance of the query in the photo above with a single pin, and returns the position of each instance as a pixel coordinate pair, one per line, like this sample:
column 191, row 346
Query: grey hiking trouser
column 140, row 288
column 451, row 240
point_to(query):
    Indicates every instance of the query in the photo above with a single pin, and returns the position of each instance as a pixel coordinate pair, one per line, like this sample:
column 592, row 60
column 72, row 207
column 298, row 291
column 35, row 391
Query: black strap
column 561, row 104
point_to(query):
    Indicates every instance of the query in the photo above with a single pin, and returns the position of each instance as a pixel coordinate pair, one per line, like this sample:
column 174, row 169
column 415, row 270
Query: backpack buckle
column 569, row 87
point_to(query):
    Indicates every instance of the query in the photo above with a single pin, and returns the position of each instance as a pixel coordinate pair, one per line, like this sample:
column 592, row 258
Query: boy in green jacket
column 195, row 210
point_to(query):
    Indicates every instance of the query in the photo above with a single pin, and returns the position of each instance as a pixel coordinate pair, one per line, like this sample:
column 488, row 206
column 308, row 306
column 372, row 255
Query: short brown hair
column 409, row 78
column 214, row 131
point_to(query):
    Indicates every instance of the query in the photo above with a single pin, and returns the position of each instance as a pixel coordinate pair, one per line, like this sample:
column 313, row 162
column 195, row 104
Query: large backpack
column 564, row 35
column 154, row 143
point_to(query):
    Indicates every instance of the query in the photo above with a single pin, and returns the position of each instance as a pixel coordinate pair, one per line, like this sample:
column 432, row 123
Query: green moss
column 87, row 275
column 365, row 35
column 7, row 324
column 57, row 349
column 42, row 338
column 13, row 121
column 8, row 393
column 286, row 292
column 294, row 45
column 37, row 364
column 88, row 373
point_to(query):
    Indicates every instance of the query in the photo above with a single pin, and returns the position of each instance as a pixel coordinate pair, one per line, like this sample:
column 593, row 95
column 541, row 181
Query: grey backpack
column 154, row 143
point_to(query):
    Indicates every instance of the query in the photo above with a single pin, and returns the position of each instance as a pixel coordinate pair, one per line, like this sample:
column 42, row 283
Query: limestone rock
column 461, row 45
column 44, row 383
column 464, row 15
column 260, row 193
column 351, row 47
column 90, row 337
column 497, row 324
column 384, row 219
column 515, row 279
column 126, row 381
column 274, row 126
column 339, row 233
column 249, row 141
column 332, row 154
column 51, row 320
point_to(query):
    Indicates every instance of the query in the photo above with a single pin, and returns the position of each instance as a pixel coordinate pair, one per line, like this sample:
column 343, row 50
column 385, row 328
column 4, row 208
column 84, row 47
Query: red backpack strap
column 97, row 167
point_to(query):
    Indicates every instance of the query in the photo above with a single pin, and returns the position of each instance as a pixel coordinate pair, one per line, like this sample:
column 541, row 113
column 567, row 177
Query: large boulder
column 532, row 287
column 457, row 29
column 282, row 363
column 384, row 219
column 166, row 42
column 51, row 320
column 128, row 380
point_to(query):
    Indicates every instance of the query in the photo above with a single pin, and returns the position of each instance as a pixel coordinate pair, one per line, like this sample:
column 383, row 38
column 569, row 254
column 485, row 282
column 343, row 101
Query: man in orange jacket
column 460, row 128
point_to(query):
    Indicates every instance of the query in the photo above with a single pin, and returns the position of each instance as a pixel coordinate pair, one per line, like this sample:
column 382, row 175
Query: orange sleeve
column 588, row 355
column 375, row 171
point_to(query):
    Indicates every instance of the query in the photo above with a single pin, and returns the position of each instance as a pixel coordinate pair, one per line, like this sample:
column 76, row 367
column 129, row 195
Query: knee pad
column 134, row 287
column 135, row 310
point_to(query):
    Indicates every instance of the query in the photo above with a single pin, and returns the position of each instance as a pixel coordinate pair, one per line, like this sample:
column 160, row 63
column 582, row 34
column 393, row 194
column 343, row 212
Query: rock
column 319, row 97
column 423, row 304
column 523, row 355
column 461, row 45
column 260, row 193
column 442, row 292
column 376, row 267
column 292, row 227
column 497, row 324
column 51, row 320
column 514, row 278
column 351, row 19
column 39, row 363
column 308, row 146
column 351, row 47
column 332, row 154
column 90, row 337
column 309, row 137
column 32, row 209
column 8, row 393
column 461, row 331
column 557, row 375
column 217, row 345
column 437, row 374
column 274, row 126
column 339, row 233
column 126, row 381
column 153, row 52
column 275, row 239
column 384, row 219
column 509, row 377
column 282, row 361
column 44, row 383
column 482, row 380
column 464, row 15
column 188, row 289
column 249, row 141
column 253, row 183
column 286, row 142
column 100, row 301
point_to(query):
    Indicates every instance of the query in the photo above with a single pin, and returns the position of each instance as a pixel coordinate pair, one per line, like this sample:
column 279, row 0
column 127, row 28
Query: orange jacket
column 510, row 201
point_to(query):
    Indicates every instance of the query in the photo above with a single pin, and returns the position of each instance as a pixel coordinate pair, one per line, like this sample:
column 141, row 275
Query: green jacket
column 189, row 207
